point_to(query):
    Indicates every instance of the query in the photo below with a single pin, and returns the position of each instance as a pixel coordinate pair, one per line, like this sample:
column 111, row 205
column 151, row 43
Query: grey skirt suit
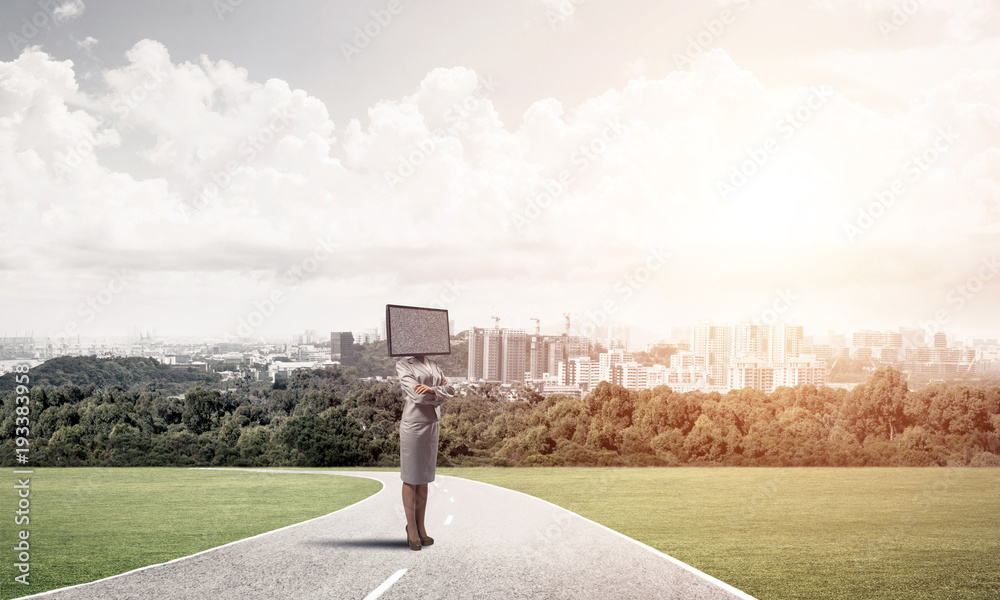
column 418, row 428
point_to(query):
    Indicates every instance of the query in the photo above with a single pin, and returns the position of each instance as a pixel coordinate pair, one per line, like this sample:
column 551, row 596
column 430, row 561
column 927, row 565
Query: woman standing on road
column 424, row 389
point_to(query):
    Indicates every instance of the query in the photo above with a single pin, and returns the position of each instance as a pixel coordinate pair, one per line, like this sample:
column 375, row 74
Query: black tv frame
column 388, row 329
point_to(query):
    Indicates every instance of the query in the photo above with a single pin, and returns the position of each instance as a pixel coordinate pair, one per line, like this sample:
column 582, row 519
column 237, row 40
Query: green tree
column 203, row 409
column 877, row 407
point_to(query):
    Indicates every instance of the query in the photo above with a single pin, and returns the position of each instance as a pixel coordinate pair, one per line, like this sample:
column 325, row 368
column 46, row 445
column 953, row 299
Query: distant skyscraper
column 498, row 354
column 681, row 334
column 513, row 355
column 940, row 340
column 537, row 357
column 342, row 347
column 615, row 337
column 368, row 336
column 786, row 343
column 752, row 340
column 761, row 375
column 545, row 352
column 607, row 361
column 714, row 342
column 579, row 371
column 484, row 354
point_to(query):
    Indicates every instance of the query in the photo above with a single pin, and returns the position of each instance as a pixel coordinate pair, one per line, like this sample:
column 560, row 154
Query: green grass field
column 813, row 533
column 89, row 523
column 797, row 533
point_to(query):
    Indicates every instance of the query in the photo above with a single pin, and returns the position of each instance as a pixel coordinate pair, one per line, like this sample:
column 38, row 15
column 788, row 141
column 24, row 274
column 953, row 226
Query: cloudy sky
column 224, row 168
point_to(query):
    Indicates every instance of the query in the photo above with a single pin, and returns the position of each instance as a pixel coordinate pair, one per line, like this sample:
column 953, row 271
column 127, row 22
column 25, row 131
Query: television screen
column 412, row 330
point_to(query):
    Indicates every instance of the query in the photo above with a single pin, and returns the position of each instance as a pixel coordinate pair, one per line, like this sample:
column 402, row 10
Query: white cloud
column 961, row 21
column 911, row 72
column 640, row 165
column 69, row 11
column 87, row 43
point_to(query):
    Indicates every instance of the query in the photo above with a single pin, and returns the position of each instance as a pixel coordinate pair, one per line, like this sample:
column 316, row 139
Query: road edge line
column 180, row 558
column 712, row 580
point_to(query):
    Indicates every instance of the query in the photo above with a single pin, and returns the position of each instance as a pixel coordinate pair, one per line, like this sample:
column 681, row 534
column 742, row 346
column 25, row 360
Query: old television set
column 415, row 330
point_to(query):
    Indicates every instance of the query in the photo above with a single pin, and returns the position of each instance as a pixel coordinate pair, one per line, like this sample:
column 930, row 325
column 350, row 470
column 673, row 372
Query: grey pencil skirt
column 418, row 447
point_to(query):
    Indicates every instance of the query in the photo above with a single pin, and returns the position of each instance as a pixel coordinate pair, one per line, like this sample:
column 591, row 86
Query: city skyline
column 224, row 168
column 678, row 334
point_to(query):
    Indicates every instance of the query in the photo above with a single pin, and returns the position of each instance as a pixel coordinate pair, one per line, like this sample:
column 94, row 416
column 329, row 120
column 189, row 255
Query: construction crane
column 496, row 322
column 538, row 324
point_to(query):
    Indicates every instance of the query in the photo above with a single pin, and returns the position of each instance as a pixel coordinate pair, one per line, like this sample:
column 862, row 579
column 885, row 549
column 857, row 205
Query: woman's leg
column 409, row 507
column 421, row 508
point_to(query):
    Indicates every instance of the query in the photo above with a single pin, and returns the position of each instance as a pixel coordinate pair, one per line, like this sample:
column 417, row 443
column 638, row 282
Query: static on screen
column 412, row 330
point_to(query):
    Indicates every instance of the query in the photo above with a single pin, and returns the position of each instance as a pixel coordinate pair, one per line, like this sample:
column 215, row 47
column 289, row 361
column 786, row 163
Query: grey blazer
column 422, row 408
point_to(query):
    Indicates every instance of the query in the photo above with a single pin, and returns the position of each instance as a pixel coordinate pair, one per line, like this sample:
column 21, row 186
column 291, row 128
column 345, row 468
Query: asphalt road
column 490, row 543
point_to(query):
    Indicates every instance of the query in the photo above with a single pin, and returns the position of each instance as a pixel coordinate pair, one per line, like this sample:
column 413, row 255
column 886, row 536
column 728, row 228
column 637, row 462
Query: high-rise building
column 513, row 355
column 545, row 352
column 581, row 371
column 877, row 339
column 686, row 360
column 775, row 344
column 752, row 340
column 715, row 343
column 342, row 347
column 940, row 340
column 311, row 336
column 484, row 354
column 607, row 361
column 766, row 377
column 498, row 354
column 630, row 374
column 537, row 358
column 367, row 336
column 751, row 372
column 786, row 343
column 614, row 337
column 802, row 370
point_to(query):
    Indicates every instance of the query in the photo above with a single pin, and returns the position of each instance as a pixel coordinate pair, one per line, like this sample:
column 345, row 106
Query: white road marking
column 385, row 585
column 448, row 520
column 452, row 498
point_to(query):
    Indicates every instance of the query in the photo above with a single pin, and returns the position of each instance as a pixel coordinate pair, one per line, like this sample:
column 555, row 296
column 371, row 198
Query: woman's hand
column 423, row 389
column 444, row 381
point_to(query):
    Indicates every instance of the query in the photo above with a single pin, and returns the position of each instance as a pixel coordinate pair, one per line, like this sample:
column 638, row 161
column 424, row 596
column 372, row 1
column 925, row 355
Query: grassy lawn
column 89, row 523
column 798, row 533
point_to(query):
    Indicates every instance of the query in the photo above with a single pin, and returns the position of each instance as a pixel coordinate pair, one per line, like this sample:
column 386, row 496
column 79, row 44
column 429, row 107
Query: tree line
column 332, row 417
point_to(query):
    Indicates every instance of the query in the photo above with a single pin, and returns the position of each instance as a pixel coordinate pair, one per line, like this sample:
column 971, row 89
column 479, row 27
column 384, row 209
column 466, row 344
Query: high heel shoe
column 425, row 541
column 413, row 545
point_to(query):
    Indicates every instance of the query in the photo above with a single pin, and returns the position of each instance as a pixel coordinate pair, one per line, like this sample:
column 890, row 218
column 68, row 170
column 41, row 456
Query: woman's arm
column 445, row 390
column 410, row 385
